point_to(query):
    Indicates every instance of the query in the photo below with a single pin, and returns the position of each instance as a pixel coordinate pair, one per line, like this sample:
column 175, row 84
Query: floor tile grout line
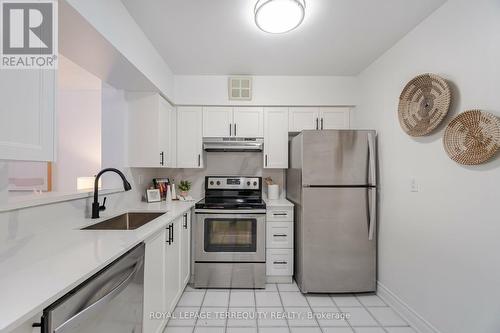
column 338, row 307
column 283, row 307
column 311, row 309
column 376, row 320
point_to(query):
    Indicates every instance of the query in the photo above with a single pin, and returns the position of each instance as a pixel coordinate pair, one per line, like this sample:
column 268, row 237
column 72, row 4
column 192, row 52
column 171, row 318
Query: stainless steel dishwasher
column 111, row 301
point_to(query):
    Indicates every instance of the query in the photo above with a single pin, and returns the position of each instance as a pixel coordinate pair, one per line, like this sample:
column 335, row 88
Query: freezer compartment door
column 339, row 157
column 338, row 240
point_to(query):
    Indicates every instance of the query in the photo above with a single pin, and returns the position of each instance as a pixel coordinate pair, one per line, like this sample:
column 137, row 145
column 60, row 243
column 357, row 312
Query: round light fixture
column 279, row 16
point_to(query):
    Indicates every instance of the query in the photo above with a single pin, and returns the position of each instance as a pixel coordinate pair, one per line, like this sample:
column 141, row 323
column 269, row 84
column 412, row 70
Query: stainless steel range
column 230, row 234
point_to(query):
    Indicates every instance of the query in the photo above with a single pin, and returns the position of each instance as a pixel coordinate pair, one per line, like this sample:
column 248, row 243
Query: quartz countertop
column 37, row 270
column 277, row 203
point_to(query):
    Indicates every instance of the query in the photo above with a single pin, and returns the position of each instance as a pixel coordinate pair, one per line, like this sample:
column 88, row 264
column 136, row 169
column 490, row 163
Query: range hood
column 233, row 144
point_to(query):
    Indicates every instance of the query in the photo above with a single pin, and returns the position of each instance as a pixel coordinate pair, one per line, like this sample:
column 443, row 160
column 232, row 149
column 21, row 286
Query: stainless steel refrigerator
column 332, row 180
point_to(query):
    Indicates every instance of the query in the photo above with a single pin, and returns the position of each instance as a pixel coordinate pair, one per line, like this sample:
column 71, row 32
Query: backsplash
column 225, row 164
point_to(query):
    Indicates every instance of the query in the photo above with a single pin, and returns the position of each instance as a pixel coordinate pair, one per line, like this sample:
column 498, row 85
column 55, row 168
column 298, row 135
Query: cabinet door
column 146, row 122
column 189, row 139
column 168, row 134
column 185, row 249
column 303, row 118
column 172, row 265
column 276, row 138
column 154, row 281
column 248, row 122
column 334, row 118
column 217, row 122
column 27, row 111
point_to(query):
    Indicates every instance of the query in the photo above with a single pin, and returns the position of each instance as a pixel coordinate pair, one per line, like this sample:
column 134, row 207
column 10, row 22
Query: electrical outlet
column 413, row 185
column 141, row 179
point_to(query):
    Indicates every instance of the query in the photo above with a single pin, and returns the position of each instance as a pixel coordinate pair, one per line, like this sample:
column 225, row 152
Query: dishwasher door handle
column 78, row 319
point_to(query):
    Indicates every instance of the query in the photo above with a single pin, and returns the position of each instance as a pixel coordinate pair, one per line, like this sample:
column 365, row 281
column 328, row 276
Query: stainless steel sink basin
column 127, row 221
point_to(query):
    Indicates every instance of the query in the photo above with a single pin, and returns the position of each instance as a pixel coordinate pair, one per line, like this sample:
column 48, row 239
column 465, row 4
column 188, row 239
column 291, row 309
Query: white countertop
column 277, row 203
column 37, row 270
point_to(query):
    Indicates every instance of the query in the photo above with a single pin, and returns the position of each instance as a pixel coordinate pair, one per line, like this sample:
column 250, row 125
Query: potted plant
column 184, row 187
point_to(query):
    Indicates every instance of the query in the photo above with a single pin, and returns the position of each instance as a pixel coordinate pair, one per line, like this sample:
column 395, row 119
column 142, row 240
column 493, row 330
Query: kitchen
column 308, row 195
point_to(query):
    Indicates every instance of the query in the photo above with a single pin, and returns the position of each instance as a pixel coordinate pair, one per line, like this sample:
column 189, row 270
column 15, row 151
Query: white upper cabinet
column 233, row 122
column 151, row 136
column 248, row 122
column 189, row 137
column 318, row 118
column 303, row 118
column 217, row 122
column 276, row 137
column 27, row 111
column 334, row 118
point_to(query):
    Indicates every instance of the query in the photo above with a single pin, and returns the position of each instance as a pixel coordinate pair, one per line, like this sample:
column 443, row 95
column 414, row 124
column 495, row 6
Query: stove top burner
column 232, row 193
column 230, row 203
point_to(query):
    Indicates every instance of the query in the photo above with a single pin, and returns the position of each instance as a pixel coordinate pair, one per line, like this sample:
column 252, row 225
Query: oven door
column 230, row 236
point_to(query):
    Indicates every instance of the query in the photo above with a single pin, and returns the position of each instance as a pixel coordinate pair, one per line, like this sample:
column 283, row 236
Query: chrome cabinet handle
column 169, row 238
column 266, row 160
column 279, row 235
column 321, row 123
column 199, row 160
column 234, row 129
column 280, row 214
column 373, row 213
column 162, row 161
column 317, row 125
column 90, row 311
column 230, row 130
column 185, row 220
column 280, row 262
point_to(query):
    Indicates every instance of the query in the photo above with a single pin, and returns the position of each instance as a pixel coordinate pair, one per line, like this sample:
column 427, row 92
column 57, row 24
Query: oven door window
column 230, row 235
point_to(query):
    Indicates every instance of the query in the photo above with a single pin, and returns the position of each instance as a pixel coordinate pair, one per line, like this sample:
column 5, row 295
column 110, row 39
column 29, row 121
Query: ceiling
column 219, row 37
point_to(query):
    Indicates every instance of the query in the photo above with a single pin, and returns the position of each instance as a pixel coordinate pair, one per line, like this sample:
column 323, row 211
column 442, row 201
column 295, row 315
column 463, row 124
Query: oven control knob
column 211, row 182
column 254, row 183
column 218, row 182
column 248, row 183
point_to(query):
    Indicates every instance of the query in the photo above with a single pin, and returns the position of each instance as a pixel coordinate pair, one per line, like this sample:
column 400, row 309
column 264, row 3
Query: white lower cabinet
column 166, row 270
column 279, row 243
column 154, row 282
column 279, row 235
column 186, row 248
column 279, row 262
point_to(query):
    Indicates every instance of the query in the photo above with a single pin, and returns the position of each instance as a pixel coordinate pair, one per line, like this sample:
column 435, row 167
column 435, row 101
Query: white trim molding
column 416, row 321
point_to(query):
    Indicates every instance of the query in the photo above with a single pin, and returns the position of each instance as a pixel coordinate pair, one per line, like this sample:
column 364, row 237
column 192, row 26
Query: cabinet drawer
column 280, row 214
column 279, row 235
column 279, row 262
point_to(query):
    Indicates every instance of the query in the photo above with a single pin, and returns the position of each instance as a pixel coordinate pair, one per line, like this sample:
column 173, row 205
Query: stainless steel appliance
column 230, row 234
column 233, row 144
column 111, row 301
column 332, row 180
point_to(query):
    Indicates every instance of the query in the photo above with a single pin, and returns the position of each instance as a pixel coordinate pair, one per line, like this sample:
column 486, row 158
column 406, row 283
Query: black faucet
column 96, row 207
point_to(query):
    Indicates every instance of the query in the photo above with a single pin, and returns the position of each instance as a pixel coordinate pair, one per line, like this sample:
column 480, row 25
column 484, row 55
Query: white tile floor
column 281, row 308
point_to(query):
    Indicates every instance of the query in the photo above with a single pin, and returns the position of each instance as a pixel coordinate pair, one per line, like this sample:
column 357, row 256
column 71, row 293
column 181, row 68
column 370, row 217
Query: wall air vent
column 240, row 88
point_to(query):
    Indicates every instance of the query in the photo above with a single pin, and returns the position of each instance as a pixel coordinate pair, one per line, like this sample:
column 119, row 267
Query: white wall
column 112, row 20
column 439, row 247
column 224, row 164
column 78, row 126
column 269, row 90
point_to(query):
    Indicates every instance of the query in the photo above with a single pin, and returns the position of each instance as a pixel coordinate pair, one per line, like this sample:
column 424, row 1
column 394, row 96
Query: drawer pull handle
column 280, row 214
column 280, row 262
column 279, row 235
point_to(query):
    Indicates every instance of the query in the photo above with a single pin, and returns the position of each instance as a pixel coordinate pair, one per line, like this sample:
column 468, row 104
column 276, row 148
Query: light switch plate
column 413, row 185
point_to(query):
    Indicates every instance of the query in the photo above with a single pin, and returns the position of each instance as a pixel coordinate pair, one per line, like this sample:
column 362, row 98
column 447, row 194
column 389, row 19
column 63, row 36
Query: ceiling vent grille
column 240, row 88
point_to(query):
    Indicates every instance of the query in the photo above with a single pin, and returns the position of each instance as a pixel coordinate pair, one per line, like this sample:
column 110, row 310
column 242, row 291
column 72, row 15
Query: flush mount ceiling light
column 279, row 16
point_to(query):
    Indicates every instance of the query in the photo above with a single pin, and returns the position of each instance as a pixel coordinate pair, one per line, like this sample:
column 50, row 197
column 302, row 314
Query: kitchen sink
column 127, row 221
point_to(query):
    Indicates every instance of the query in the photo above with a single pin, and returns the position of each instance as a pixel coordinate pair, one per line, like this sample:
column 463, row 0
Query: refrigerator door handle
column 371, row 152
column 372, row 212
